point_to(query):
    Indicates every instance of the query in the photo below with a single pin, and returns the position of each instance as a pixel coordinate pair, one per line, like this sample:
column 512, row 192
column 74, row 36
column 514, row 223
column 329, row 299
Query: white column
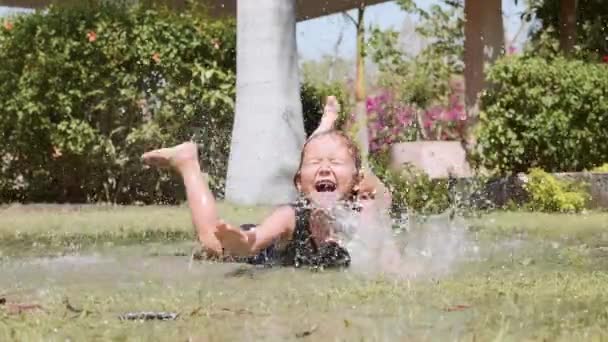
column 268, row 129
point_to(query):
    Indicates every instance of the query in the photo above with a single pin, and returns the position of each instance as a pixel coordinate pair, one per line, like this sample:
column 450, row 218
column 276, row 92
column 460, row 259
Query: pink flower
column 371, row 104
column 434, row 113
column 8, row 25
column 404, row 117
column 449, row 115
column 91, row 36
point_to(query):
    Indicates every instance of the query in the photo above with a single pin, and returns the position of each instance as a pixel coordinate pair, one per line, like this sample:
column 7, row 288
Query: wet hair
column 352, row 147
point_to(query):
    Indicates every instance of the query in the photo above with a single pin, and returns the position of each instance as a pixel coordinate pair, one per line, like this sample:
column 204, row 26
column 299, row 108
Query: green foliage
column 415, row 191
column 421, row 89
column 601, row 169
column 411, row 189
column 551, row 115
column 85, row 90
column 313, row 97
column 423, row 79
column 591, row 24
column 327, row 69
column 548, row 194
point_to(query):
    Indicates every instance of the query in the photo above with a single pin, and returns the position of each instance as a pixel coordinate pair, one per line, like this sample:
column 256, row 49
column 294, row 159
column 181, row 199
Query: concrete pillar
column 473, row 50
column 268, row 128
column 493, row 35
column 567, row 25
column 484, row 43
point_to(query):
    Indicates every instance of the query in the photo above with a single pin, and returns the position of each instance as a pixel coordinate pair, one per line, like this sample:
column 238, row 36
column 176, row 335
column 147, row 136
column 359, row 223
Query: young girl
column 370, row 186
column 297, row 234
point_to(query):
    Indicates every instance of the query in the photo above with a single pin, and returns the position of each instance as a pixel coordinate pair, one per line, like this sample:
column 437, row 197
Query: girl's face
column 328, row 172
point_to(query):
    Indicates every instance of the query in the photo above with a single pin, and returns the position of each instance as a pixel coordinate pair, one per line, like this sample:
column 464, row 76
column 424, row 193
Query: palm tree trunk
column 268, row 129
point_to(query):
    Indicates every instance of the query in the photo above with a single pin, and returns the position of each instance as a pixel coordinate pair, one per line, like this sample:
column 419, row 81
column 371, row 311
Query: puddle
column 105, row 269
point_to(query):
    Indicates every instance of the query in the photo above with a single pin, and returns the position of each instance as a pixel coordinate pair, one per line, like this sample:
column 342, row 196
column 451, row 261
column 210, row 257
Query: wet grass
column 511, row 303
column 544, row 278
column 55, row 228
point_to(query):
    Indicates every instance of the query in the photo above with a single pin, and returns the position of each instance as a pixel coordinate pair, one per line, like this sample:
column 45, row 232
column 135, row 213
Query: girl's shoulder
column 285, row 214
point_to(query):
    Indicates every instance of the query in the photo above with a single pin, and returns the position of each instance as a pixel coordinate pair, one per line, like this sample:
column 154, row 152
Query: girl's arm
column 373, row 193
column 279, row 225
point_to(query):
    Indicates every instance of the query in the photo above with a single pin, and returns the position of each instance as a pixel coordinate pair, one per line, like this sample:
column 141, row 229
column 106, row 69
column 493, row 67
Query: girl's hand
column 234, row 240
column 372, row 193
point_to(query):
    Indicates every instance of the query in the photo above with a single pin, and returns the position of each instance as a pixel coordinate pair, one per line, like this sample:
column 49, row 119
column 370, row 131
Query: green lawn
column 40, row 228
column 540, row 277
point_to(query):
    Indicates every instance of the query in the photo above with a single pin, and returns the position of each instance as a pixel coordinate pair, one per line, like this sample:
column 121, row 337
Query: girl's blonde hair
column 352, row 147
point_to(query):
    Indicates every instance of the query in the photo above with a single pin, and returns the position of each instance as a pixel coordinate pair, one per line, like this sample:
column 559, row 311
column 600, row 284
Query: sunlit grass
column 542, row 225
column 55, row 226
column 552, row 287
column 40, row 219
column 511, row 304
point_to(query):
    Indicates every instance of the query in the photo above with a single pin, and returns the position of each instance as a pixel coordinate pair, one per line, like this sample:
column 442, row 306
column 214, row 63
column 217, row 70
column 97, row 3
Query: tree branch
column 348, row 16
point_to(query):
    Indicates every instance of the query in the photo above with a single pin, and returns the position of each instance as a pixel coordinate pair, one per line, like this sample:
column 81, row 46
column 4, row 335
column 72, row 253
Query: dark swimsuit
column 302, row 249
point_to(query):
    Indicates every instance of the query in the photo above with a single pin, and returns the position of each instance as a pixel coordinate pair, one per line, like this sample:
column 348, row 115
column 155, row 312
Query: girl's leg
column 184, row 159
column 330, row 115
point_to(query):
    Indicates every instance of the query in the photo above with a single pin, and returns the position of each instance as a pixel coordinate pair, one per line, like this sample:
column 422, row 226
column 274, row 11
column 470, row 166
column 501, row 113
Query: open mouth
column 325, row 186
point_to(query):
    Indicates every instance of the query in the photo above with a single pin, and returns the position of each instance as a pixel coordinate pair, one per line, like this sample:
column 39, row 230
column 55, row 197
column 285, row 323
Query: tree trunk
column 484, row 43
column 360, row 96
column 268, row 129
column 567, row 25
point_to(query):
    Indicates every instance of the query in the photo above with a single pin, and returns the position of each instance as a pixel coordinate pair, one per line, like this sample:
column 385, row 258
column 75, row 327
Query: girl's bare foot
column 330, row 112
column 330, row 115
column 175, row 156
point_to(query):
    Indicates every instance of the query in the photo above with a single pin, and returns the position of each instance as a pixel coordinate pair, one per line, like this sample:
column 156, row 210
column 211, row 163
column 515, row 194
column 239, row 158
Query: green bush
column 85, row 90
column 411, row 189
column 601, row 168
column 547, row 114
column 313, row 101
column 548, row 194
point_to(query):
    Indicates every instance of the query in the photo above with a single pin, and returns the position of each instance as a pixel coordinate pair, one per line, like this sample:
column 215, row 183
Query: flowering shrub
column 391, row 121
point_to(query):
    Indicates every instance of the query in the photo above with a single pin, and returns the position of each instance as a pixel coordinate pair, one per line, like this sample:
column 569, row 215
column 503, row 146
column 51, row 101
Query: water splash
column 412, row 248
column 436, row 246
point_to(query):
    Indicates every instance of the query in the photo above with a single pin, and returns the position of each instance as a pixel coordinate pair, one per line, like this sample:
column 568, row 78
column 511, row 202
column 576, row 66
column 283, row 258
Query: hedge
column 85, row 90
column 549, row 114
